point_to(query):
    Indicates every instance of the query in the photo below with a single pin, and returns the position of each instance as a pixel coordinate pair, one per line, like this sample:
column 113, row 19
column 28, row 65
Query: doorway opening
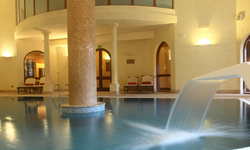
column 103, row 69
column 246, row 58
column 34, row 65
column 163, row 67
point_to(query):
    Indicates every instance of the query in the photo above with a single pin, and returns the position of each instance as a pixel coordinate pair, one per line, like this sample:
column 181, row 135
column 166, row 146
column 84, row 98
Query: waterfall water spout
column 188, row 112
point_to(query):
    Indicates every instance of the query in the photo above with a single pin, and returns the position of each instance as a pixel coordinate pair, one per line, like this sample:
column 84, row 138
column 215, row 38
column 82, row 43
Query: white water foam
column 150, row 136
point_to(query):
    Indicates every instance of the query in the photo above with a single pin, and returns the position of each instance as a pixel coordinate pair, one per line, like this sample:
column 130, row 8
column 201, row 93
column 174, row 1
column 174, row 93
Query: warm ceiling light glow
column 204, row 42
column 6, row 55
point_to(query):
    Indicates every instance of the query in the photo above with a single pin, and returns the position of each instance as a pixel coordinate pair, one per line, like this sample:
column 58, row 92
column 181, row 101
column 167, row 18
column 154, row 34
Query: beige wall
column 188, row 59
column 53, row 65
column 8, row 75
column 191, row 60
column 143, row 50
column 62, row 66
column 23, row 48
column 165, row 34
column 7, row 27
column 143, row 54
column 12, row 69
column 143, row 59
column 7, row 44
column 243, row 28
column 140, row 50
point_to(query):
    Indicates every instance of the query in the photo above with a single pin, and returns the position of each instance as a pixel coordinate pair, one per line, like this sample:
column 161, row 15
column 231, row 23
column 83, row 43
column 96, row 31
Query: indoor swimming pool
column 37, row 123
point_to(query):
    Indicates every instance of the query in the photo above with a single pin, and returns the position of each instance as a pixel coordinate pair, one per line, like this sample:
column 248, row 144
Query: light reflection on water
column 10, row 133
column 0, row 125
column 127, row 124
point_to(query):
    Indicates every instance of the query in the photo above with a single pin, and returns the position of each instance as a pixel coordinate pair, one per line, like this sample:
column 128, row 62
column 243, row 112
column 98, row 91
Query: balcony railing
column 28, row 8
column 155, row 3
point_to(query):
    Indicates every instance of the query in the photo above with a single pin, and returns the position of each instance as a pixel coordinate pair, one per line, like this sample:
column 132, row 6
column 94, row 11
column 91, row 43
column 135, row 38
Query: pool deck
column 108, row 95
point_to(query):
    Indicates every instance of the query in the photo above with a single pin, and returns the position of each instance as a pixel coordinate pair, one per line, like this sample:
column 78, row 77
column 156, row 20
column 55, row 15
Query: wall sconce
column 204, row 42
column 240, row 16
column 204, row 27
column 7, row 55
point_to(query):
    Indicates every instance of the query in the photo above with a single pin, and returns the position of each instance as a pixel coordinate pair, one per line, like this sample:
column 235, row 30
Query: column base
column 114, row 88
column 80, row 109
column 114, row 92
column 98, row 114
column 47, row 88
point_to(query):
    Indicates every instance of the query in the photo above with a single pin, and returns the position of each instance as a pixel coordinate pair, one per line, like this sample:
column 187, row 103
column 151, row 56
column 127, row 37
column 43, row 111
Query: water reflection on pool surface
column 128, row 123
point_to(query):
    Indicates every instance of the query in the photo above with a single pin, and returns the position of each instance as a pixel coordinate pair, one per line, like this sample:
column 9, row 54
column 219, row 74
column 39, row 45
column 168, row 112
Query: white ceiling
column 56, row 22
column 59, row 31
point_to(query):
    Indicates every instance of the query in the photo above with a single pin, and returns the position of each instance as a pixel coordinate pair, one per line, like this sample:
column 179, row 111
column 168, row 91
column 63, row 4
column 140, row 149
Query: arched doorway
column 103, row 69
column 246, row 58
column 163, row 67
column 34, row 65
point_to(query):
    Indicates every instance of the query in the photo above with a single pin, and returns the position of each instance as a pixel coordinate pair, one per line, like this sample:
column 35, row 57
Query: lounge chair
column 42, row 81
column 30, row 82
column 147, row 83
column 39, row 87
column 28, row 85
column 132, row 83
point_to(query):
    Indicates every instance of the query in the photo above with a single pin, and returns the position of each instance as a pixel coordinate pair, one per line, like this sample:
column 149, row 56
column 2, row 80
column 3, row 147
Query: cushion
column 132, row 83
column 42, row 83
column 146, row 82
column 28, row 84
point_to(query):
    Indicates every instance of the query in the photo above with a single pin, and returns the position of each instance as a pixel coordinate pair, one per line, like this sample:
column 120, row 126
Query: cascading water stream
column 190, row 107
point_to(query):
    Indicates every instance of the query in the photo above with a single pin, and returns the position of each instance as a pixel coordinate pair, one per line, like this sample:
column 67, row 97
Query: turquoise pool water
column 126, row 124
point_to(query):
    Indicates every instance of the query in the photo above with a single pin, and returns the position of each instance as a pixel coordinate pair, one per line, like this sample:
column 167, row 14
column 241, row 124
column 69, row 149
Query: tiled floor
column 130, row 95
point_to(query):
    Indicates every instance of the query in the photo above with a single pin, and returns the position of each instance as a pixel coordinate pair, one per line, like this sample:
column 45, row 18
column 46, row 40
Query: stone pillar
column 114, row 86
column 81, row 57
column 48, row 87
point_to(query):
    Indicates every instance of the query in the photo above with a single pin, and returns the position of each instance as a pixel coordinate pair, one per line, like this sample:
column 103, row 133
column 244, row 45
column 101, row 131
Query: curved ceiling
column 129, row 18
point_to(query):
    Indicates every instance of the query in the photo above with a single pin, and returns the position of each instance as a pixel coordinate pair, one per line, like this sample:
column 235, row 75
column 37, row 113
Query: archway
column 103, row 69
column 246, row 58
column 163, row 67
column 34, row 65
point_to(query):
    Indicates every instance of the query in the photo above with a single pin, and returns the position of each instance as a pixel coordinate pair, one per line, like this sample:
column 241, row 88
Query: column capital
column 114, row 25
column 46, row 32
column 43, row 31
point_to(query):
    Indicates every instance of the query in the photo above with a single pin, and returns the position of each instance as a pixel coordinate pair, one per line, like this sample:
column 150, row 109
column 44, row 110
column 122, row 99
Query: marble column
column 82, row 57
column 114, row 86
column 48, row 87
